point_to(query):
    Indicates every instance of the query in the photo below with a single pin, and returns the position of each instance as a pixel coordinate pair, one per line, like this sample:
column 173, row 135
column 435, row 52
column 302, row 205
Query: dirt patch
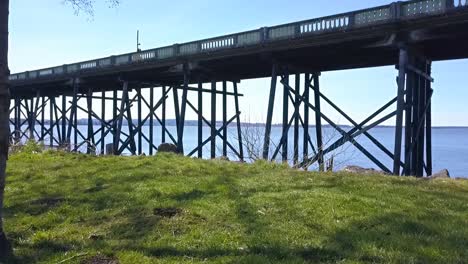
column 167, row 212
column 99, row 259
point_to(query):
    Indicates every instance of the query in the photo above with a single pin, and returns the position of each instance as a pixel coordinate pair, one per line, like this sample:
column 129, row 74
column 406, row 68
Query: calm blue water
column 450, row 145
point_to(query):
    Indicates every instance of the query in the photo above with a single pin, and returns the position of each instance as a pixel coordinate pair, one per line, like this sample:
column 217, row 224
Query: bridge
column 410, row 35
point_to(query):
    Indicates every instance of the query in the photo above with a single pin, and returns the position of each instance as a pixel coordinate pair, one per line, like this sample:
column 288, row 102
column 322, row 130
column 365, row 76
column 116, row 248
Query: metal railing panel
column 32, row 74
column 122, row 59
column 22, row 76
column 144, row 56
column 373, row 16
column 58, row 70
column 105, row 62
column 88, row 65
column 249, row 38
column 187, row 49
column 164, row 53
column 460, row 3
column 327, row 24
column 72, row 68
column 220, row 43
column 288, row 31
column 46, row 72
column 423, row 7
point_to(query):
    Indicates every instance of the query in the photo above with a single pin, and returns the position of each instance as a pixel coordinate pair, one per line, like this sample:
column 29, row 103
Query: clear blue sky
column 47, row 33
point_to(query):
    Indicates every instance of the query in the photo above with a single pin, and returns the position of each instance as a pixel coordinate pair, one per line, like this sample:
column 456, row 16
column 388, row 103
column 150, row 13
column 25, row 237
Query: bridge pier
column 414, row 103
column 297, row 101
column 227, row 149
column 213, row 121
column 413, row 115
column 127, row 134
column 318, row 121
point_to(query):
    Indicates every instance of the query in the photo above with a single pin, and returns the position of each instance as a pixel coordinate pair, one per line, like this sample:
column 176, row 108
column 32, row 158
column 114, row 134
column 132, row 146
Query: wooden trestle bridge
column 410, row 35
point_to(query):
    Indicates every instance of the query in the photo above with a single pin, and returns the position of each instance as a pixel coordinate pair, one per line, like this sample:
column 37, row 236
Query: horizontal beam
column 390, row 14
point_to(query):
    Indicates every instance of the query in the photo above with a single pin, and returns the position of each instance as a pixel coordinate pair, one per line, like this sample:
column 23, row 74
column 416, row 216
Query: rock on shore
column 168, row 148
column 360, row 170
column 443, row 174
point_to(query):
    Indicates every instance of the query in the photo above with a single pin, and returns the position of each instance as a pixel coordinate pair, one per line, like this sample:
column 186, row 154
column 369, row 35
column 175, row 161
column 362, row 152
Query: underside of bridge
column 47, row 108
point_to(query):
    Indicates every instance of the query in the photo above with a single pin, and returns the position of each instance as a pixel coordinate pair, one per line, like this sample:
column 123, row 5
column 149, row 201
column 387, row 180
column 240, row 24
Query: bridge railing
column 342, row 22
column 460, row 3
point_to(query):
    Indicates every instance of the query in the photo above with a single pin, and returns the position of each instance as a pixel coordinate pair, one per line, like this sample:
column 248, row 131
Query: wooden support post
column 200, row 119
column 90, row 137
column 114, row 118
column 296, row 117
column 17, row 120
column 73, row 112
column 36, row 107
column 239, row 131
column 409, row 96
column 183, row 107
column 416, row 119
column 176, row 110
column 225, row 130
column 318, row 121
column 131, row 133
column 57, row 124
column 163, row 116
column 75, row 125
column 305, row 143
column 51, row 120
column 403, row 59
column 213, row 119
column 151, row 121
column 139, row 124
column 103, row 119
column 421, row 115
column 284, row 138
column 63, row 140
column 428, row 122
column 42, row 118
column 30, row 118
column 120, row 118
column 271, row 103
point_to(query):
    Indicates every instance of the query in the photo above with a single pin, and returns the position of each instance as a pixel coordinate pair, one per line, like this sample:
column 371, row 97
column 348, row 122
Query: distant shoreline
column 191, row 123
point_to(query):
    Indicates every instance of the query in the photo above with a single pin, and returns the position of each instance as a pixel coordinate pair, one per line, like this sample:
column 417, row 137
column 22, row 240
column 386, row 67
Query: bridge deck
column 364, row 38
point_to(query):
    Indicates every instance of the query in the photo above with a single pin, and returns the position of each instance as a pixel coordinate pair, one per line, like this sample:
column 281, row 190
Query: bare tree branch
column 87, row 6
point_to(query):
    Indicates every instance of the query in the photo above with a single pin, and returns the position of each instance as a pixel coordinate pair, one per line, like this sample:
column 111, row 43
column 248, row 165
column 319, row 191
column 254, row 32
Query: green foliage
column 171, row 209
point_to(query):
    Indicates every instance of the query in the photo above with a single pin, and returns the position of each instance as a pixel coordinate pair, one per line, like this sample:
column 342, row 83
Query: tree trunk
column 4, row 115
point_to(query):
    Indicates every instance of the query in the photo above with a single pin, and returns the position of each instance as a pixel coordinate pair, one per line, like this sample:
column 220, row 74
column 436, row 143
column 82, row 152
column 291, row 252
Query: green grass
column 69, row 206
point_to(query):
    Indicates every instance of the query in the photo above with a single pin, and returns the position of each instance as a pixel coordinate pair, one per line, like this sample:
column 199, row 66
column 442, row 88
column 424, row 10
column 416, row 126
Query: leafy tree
column 85, row 6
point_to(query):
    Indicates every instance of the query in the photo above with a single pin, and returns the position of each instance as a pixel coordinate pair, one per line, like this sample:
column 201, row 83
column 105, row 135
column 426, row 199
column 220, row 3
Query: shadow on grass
column 255, row 230
column 35, row 207
column 39, row 251
column 275, row 253
column 403, row 238
column 393, row 237
column 388, row 237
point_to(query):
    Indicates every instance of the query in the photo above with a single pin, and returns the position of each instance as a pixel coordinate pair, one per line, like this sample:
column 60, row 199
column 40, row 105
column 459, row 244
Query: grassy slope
column 61, row 205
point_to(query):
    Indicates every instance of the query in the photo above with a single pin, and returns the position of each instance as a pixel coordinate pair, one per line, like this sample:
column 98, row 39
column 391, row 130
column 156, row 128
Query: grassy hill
column 70, row 208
